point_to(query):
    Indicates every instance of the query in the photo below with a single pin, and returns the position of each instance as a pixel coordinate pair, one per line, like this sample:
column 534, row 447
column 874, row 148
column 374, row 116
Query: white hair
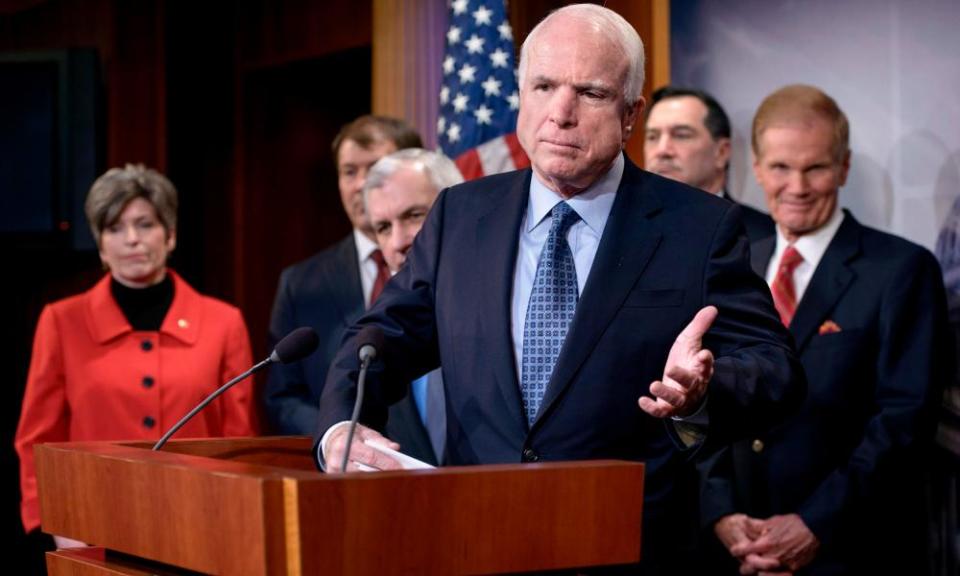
column 440, row 170
column 614, row 27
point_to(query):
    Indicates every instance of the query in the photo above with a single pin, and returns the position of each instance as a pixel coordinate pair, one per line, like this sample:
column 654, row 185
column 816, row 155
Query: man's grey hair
column 440, row 170
column 614, row 27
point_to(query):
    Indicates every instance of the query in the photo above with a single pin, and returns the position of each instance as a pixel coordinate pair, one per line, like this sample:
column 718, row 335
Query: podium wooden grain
column 257, row 506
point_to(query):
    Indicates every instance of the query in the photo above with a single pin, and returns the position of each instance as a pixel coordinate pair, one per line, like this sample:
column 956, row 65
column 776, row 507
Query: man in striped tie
column 837, row 488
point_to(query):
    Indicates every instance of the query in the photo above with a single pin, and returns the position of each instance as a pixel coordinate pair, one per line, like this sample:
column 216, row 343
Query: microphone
column 296, row 345
column 369, row 341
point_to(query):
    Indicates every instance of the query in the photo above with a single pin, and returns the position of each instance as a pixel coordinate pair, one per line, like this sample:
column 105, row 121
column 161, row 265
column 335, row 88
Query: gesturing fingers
column 694, row 331
column 688, row 369
column 658, row 408
column 697, row 373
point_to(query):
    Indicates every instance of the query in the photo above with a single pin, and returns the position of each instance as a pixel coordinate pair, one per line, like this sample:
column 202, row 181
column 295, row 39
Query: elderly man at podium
column 583, row 309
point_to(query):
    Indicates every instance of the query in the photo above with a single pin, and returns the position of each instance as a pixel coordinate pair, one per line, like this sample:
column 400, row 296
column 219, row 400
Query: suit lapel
column 630, row 238
column 830, row 280
column 344, row 287
column 498, row 233
column 760, row 254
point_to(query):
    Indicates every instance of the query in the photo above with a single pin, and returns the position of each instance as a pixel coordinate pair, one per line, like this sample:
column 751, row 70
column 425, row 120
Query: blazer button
column 757, row 446
column 529, row 455
column 149, row 422
column 146, row 345
column 148, row 381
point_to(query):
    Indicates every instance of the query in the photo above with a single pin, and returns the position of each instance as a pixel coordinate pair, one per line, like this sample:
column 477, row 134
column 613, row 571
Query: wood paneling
column 303, row 70
column 272, row 34
column 408, row 42
column 287, row 203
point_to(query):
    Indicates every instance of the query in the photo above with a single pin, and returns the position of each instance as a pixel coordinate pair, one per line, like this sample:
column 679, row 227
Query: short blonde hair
column 802, row 103
column 111, row 193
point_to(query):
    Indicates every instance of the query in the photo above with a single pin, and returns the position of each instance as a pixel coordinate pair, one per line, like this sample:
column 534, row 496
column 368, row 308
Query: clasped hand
column 778, row 545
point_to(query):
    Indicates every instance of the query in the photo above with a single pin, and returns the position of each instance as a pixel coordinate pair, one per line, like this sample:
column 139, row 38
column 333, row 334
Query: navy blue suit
column 667, row 251
column 325, row 293
column 851, row 461
column 759, row 224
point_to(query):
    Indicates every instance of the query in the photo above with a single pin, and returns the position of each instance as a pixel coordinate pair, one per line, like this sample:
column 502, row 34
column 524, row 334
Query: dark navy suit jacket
column 872, row 333
column 759, row 224
column 667, row 251
column 324, row 292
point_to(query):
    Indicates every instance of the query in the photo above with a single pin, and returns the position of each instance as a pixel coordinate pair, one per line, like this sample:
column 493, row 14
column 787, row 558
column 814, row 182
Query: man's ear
column 845, row 168
column 631, row 114
column 723, row 153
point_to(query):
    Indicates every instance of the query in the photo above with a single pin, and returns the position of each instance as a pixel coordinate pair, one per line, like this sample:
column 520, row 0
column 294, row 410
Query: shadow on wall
column 926, row 180
column 869, row 192
column 946, row 194
column 741, row 163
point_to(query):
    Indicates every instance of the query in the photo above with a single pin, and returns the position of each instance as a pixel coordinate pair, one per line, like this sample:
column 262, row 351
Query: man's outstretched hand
column 687, row 373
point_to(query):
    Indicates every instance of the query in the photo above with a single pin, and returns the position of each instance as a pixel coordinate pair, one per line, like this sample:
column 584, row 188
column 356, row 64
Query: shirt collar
column 182, row 321
column 812, row 246
column 593, row 205
column 365, row 246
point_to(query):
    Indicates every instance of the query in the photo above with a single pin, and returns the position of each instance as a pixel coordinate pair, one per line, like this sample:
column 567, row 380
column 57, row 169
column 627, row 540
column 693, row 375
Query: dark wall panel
column 291, row 202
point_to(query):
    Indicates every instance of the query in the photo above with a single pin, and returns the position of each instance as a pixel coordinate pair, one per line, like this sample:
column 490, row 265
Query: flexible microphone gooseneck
column 294, row 346
column 369, row 340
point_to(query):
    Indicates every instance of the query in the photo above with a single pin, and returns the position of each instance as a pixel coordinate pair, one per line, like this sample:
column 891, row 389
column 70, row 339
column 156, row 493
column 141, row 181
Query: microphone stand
column 163, row 439
column 361, row 381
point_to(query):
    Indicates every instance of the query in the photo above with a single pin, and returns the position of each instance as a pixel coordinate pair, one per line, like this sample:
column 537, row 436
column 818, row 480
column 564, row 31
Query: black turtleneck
column 145, row 308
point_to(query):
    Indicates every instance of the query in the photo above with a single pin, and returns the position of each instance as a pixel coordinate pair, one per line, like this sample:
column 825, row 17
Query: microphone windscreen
column 296, row 345
column 370, row 335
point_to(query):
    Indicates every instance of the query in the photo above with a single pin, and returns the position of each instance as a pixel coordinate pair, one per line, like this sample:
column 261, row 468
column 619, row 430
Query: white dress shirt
column 811, row 246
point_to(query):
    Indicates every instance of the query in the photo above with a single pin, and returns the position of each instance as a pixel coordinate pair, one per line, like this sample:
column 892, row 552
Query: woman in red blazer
column 129, row 357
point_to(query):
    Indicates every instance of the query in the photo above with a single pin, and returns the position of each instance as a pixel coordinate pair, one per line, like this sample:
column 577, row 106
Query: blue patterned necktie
column 553, row 301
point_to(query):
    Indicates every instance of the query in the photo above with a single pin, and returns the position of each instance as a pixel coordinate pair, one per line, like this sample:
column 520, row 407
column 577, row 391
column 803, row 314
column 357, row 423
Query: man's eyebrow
column 541, row 79
column 598, row 86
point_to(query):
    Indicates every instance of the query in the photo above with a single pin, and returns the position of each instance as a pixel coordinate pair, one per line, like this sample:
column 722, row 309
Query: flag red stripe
column 469, row 164
column 520, row 159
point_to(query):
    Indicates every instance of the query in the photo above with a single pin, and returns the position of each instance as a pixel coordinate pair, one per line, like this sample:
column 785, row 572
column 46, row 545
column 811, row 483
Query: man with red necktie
column 837, row 488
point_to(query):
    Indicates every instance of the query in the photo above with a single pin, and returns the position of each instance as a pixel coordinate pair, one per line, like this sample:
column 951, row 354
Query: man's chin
column 666, row 172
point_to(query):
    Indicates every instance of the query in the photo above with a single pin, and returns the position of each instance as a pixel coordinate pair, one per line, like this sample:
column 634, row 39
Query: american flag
column 478, row 95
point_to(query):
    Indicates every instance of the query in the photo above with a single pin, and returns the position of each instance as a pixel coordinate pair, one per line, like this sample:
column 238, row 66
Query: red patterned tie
column 383, row 275
column 783, row 290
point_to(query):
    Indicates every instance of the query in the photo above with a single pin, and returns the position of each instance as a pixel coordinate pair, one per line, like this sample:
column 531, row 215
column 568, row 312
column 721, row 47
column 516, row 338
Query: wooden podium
column 258, row 506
